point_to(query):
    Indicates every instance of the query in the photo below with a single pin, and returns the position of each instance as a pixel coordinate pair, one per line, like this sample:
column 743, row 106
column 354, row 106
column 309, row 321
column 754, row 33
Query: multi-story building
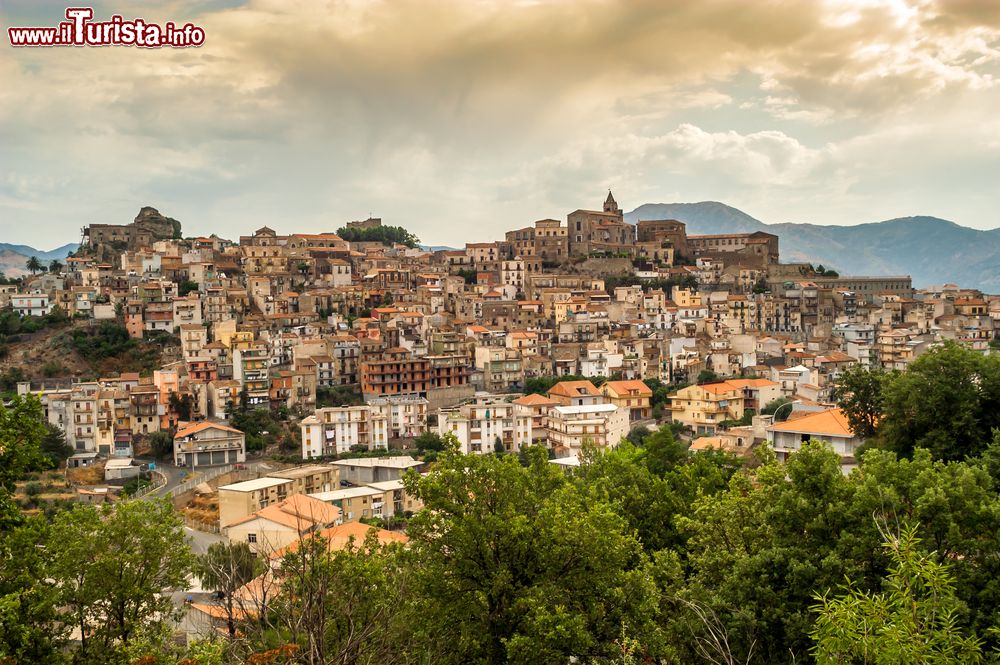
column 335, row 430
column 502, row 368
column 486, row 425
column 237, row 500
column 575, row 393
column 593, row 231
column 208, row 444
column 83, row 415
column 31, row 304
column 704, row 407
column 399, row 416
column 757, row 248
column 396, row 372
column 633, row 396
column 550, row 241
column 310, row 478
column 570, row 427
column 251, row 369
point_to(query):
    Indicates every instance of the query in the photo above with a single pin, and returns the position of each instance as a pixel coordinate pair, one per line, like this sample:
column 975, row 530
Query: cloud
column 480, row 115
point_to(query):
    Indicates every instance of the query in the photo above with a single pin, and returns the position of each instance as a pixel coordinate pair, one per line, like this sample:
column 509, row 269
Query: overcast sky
column 459, row 119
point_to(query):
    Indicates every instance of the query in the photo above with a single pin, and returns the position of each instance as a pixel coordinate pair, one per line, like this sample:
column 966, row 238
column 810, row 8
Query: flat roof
column 396, row 462
column 258, row 484
column 346, row 493
column 299, row 471
column 586, row 408
column 387, row 485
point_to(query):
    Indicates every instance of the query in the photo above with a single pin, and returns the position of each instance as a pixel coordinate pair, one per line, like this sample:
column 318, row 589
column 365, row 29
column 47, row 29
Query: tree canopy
column 387, row 235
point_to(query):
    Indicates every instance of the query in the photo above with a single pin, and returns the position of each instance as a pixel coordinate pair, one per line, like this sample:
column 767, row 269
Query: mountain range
column 929, row 249
column 13, row 257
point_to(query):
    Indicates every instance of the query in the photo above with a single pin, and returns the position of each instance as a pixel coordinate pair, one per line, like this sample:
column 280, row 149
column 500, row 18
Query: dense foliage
column 947, row 401
column 611, row 282
column 387, row 235
column 106, row 340
column 645, row 553
column 108, row 345
column 260, row 426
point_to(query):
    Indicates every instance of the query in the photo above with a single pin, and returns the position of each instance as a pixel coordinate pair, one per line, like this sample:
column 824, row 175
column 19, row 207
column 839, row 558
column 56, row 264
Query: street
column 200, row 540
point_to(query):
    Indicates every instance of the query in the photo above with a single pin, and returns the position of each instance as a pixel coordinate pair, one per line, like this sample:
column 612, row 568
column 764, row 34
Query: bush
column 53, row 368
column 134, row 485
column 108, row 340
column 33, row 489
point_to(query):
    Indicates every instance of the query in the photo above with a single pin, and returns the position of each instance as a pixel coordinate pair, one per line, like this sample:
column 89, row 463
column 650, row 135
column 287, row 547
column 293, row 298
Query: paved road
column 200, row 540
column 173, row 474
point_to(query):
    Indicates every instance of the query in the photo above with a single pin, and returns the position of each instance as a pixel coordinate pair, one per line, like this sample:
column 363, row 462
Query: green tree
column 109, row 340
column 947, row 401
column 771, row 408
column 53, row 445
column 957, row 508
column 638, row 434
column 707, row 376
column 649, row 503
column 859, row 394
column 663, row 452
column 55, row 266
column 347, row 605
column 161, row 444
column 185, row 287
column 915, row 620
column 32, row 629
column 22, row 429
column 226, row 567
column 387, row 235
column 111, row 565
column 519, row 566
column 758, row 550
column 33, row 265
column 429, row 441
column 182, row 405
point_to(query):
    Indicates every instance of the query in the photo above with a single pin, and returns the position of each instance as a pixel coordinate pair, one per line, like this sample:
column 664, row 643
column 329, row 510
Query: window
column 252, row 538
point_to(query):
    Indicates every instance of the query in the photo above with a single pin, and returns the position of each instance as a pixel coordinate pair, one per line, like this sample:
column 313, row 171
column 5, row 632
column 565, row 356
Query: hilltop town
column 284, row 388
column 661, row 325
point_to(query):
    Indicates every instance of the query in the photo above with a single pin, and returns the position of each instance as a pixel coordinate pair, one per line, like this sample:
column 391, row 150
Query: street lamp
column 774, row 415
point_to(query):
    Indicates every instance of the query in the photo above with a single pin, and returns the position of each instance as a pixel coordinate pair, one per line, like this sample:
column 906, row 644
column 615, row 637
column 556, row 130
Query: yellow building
column 703, row 407
column 238, row 500
column 633, row 396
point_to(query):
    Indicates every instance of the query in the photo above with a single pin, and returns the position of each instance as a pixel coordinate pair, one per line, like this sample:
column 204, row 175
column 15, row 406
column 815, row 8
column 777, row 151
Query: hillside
column 931, row 250
column 13, row 257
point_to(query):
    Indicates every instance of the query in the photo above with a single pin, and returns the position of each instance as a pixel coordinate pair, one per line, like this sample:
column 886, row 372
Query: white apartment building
column 399, row 416
column 31, row 304
column 334, row 430
column 479, row 424
column 603, row 424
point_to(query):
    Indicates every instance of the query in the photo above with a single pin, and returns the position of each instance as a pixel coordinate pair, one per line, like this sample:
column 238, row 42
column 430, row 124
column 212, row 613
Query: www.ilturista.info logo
column 80, row 30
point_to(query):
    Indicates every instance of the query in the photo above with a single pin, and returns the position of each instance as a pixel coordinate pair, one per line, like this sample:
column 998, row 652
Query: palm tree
column 33, row 265
column 55, row 266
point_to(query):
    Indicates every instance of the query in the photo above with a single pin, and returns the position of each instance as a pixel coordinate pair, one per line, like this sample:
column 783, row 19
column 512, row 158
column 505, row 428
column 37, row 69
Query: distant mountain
column 931, row 250
column 13, row 257
column 24, row 250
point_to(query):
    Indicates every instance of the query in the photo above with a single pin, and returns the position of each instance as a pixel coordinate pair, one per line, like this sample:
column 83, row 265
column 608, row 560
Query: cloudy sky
column 462, row 118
